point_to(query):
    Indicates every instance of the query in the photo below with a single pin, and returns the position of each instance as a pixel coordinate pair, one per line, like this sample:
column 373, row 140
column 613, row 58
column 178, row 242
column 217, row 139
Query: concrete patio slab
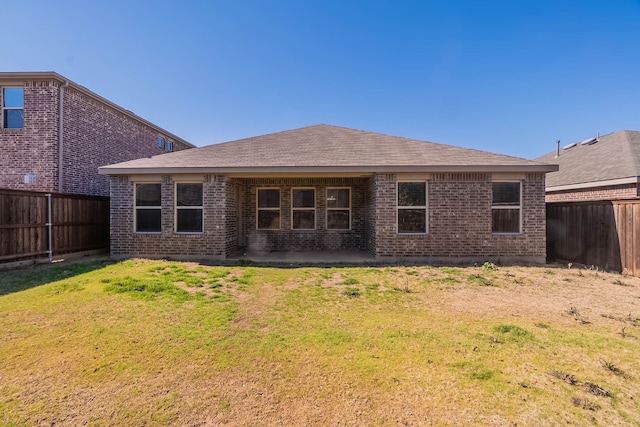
column 300, row 258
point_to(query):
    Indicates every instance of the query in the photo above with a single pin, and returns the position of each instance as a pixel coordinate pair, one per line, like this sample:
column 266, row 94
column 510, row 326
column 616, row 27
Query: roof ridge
column 337, row 148
column 615, row 156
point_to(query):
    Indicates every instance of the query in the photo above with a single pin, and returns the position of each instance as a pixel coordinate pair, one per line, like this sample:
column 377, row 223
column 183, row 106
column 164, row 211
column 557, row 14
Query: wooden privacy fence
column 605, row 234
column 37, row 225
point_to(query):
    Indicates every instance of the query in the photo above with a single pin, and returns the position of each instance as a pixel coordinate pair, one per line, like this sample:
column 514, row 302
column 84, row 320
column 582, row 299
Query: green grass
column 161, row 342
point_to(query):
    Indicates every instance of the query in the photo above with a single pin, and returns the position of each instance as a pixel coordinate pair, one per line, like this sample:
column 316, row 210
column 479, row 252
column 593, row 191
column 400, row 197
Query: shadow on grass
column 20, row 279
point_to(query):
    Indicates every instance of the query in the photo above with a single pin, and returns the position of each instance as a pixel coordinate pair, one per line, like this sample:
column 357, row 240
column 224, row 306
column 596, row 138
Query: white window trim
column 313, row 209
column 176, row 208
column 425, row 207
column 3, row 108
column 279, row 208
column 136, row 207
column 519, row 207
column 326, row 219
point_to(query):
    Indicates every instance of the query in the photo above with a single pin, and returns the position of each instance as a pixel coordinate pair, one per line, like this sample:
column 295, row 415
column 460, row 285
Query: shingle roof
column 615, row 156
column 327, row 148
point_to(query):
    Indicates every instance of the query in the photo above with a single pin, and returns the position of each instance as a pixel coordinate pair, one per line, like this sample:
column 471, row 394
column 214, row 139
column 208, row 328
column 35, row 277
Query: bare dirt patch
column 413, row 346
column 557, row 294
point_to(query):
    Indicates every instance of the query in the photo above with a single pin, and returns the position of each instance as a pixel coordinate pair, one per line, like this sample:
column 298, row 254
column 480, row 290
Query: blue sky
column 505, row 76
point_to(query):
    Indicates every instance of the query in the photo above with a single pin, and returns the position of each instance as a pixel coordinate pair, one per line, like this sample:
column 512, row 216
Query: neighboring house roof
column 51, row 75
column 326, row 149
column 612, row 159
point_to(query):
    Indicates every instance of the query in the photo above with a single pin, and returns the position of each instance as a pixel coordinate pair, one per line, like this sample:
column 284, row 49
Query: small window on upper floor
column 160, row 142
column 12, row 107
column 169, row 145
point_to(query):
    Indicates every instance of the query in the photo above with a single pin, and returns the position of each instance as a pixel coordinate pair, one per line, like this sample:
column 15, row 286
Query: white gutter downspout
column 61, row 138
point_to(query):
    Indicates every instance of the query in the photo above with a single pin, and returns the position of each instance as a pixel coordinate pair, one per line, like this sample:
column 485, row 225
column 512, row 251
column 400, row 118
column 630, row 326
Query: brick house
column 55, row 134
column 593, row 202
column 322, row 188
column 602, row 168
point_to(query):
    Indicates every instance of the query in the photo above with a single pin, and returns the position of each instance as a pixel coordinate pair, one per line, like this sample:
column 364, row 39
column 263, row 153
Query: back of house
column 324, row 188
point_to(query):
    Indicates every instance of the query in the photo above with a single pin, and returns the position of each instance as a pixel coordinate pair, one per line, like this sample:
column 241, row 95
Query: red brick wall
column 34, row 148
column 459, row 213
column 370, row 220
column 233, row 220
column 459, row 220
column 209, row 244
column 95, row 134
column 287, row 239
column 612, row 192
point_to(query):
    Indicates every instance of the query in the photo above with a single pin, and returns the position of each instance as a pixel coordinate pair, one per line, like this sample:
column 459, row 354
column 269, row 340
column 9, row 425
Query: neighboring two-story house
column 602, row 168
column 55, row 134
column 593, row 202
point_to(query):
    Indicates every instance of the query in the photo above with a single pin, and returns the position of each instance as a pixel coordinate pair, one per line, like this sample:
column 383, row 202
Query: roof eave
column 114, row 170
column 605, row 183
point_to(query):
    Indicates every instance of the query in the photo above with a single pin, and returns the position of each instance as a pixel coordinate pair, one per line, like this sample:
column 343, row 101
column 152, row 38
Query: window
column 12, row 107
column 412, row 207
column 268, row 209
column 506, row 207
column 30, row 178
column 169, row 145
column 338, row 208
column 189, row 207
column 160, row 142
column 303, row 209
column 148, row 208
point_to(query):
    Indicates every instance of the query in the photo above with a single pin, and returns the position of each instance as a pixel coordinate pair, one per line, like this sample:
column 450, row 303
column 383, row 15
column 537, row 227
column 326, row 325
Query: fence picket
column 605, row 234
column 80, row 223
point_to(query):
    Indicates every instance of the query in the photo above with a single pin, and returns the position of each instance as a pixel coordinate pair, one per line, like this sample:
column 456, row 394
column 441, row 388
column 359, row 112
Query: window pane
column 13, row 119
column 412, row 221
column 412, row 194
column 160, row 142
column 148, row 220
column 189, row 221
column 338, row 220
column 304, row 220
column 338, row 197
column 189, row 194
column 148, row 195
column 506, row 221
column 506, row 194
column 13, row 97
column 269, row 198
column 304, row 198
column 268, row 220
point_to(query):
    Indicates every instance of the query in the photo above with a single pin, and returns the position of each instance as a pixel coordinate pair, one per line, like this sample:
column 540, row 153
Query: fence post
column 50, row 228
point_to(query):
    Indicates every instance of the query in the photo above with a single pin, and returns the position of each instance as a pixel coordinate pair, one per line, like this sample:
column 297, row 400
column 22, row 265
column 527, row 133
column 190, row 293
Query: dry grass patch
column 169, row 343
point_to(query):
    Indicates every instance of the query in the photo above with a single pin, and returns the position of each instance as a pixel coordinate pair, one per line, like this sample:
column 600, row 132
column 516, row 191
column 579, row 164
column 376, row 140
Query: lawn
column 101, row 343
